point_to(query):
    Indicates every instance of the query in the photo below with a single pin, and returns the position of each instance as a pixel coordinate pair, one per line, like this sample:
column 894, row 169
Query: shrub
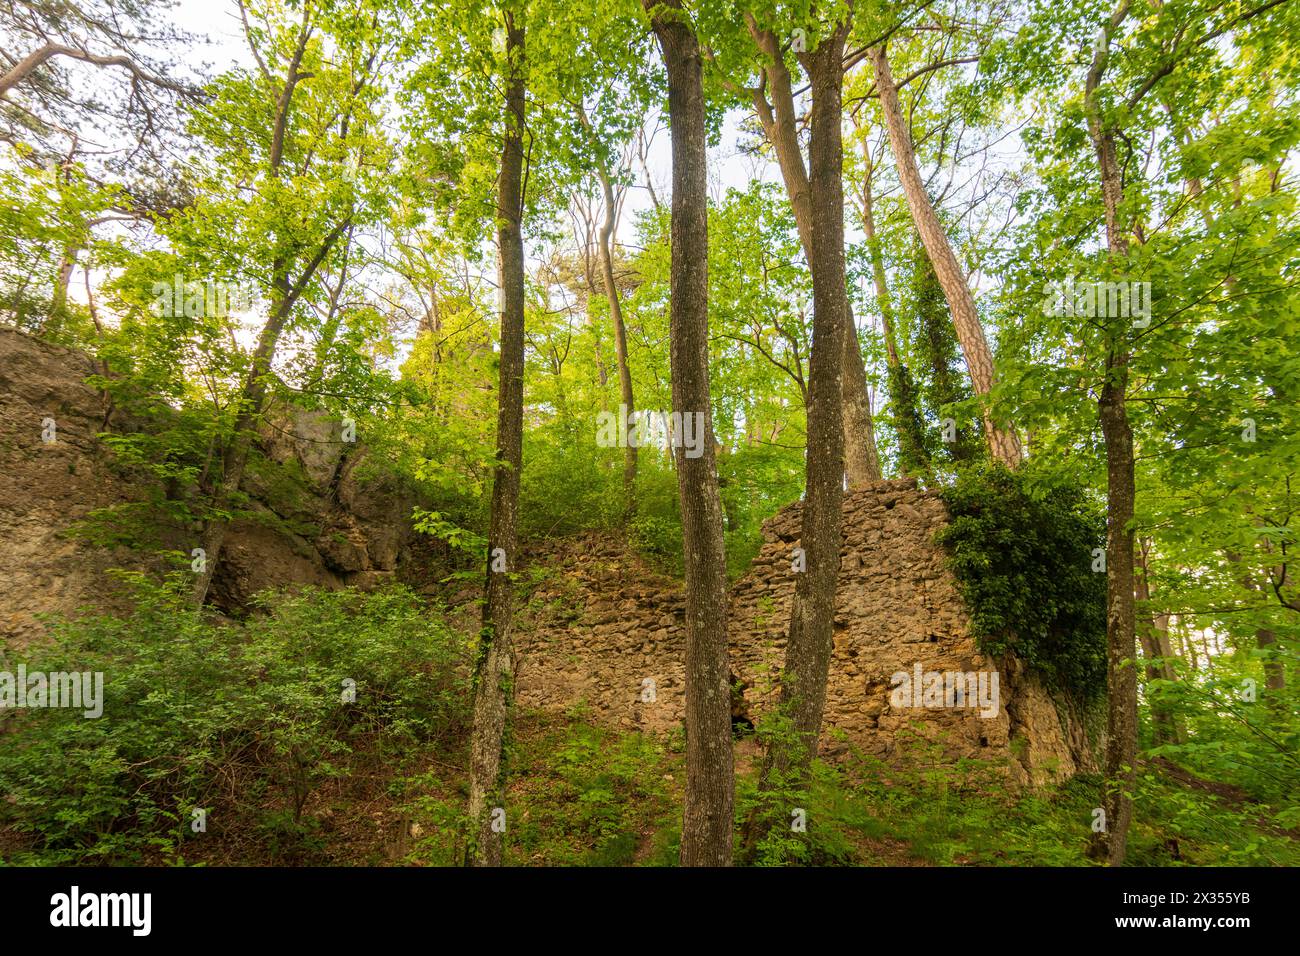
column 1024, row 567
column 237, row 720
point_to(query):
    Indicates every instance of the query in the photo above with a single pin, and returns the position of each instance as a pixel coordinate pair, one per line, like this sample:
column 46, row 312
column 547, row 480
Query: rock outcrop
column 321, row 513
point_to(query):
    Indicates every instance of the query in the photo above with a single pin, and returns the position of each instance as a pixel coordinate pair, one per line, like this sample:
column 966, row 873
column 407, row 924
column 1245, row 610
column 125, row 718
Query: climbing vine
column 1024, row 565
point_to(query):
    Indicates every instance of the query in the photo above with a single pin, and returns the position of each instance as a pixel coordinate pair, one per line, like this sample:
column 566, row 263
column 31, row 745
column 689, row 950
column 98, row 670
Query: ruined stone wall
column 897, row 609
column 603, row 626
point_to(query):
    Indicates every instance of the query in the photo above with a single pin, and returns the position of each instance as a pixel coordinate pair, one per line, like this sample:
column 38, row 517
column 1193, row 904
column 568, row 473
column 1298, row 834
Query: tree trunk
column 877, row 259
column 861, row 458
column 251, row 400
column 1121, row 623
column 710, row 780
column 909, row 428
column 1121, row 678
column 1274, row 674
column 812, row 616
column 1004, row 445
column 620, row 339
column 494, row 666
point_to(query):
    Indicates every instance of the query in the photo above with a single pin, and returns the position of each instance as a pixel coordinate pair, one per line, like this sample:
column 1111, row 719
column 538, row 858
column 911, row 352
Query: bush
column 237, row 720
column 1024, row 567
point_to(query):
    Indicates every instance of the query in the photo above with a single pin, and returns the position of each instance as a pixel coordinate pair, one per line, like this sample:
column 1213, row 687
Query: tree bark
column 861, row 457
column 494, row 666
column 812, row 615
column 710, row 781
column 1003, row 442
column 1121, row 622
column 620, row 338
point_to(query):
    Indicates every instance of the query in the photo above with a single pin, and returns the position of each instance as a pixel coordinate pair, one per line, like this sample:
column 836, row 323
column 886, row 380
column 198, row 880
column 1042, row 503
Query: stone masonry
column 607, row 635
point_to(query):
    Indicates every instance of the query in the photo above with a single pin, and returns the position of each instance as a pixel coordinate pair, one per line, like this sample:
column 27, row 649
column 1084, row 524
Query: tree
column 904, row 396
column 494, row 666
column 297, row 250
column 612, row 206
column 780, row 127
column 1003, row 442
column 812, row 613
column 710, row 784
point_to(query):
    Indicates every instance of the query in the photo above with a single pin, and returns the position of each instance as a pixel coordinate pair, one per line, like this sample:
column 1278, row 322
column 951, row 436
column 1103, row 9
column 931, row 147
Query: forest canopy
column 660, row 269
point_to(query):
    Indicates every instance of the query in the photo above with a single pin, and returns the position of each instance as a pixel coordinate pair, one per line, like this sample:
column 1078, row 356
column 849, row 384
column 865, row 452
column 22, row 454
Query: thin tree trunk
column 913, row 458
column 877, row 260
column 861, row 457
column 710, row 781
column 812, row 614
column 1121, row 622
column 1003, row 442
column 1154, row 637
column 494, row 666
column 620, row 338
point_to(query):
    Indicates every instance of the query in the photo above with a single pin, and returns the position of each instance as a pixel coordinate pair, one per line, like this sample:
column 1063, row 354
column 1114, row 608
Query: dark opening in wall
column 741, row 724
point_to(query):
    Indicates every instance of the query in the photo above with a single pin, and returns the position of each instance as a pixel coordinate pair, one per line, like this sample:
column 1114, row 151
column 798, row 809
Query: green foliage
column 659, row 539
column 245, row 722
column 578, row 795
column 1023, row 557
column 909, row 426
column 1239, row 733
column 934, row 352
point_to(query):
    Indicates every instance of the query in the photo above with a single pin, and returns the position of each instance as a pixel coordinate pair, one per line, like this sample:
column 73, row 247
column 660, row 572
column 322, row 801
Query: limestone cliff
column 319, row 514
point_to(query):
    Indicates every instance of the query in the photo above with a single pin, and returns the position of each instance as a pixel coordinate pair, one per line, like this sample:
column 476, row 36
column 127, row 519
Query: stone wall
column 603, row 625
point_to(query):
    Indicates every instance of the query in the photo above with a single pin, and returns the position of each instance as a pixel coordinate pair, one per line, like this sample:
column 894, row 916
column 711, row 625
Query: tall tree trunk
column 620, row 337
column 494, row 666
column 710, row 780
column 861, row 457
column 1003, row 443
column 1121, row 622
column 812, row 613
column 905, row 410
column 877, row 259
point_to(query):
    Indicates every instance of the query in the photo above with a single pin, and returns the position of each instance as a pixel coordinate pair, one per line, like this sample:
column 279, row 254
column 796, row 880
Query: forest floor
column 588, row 796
